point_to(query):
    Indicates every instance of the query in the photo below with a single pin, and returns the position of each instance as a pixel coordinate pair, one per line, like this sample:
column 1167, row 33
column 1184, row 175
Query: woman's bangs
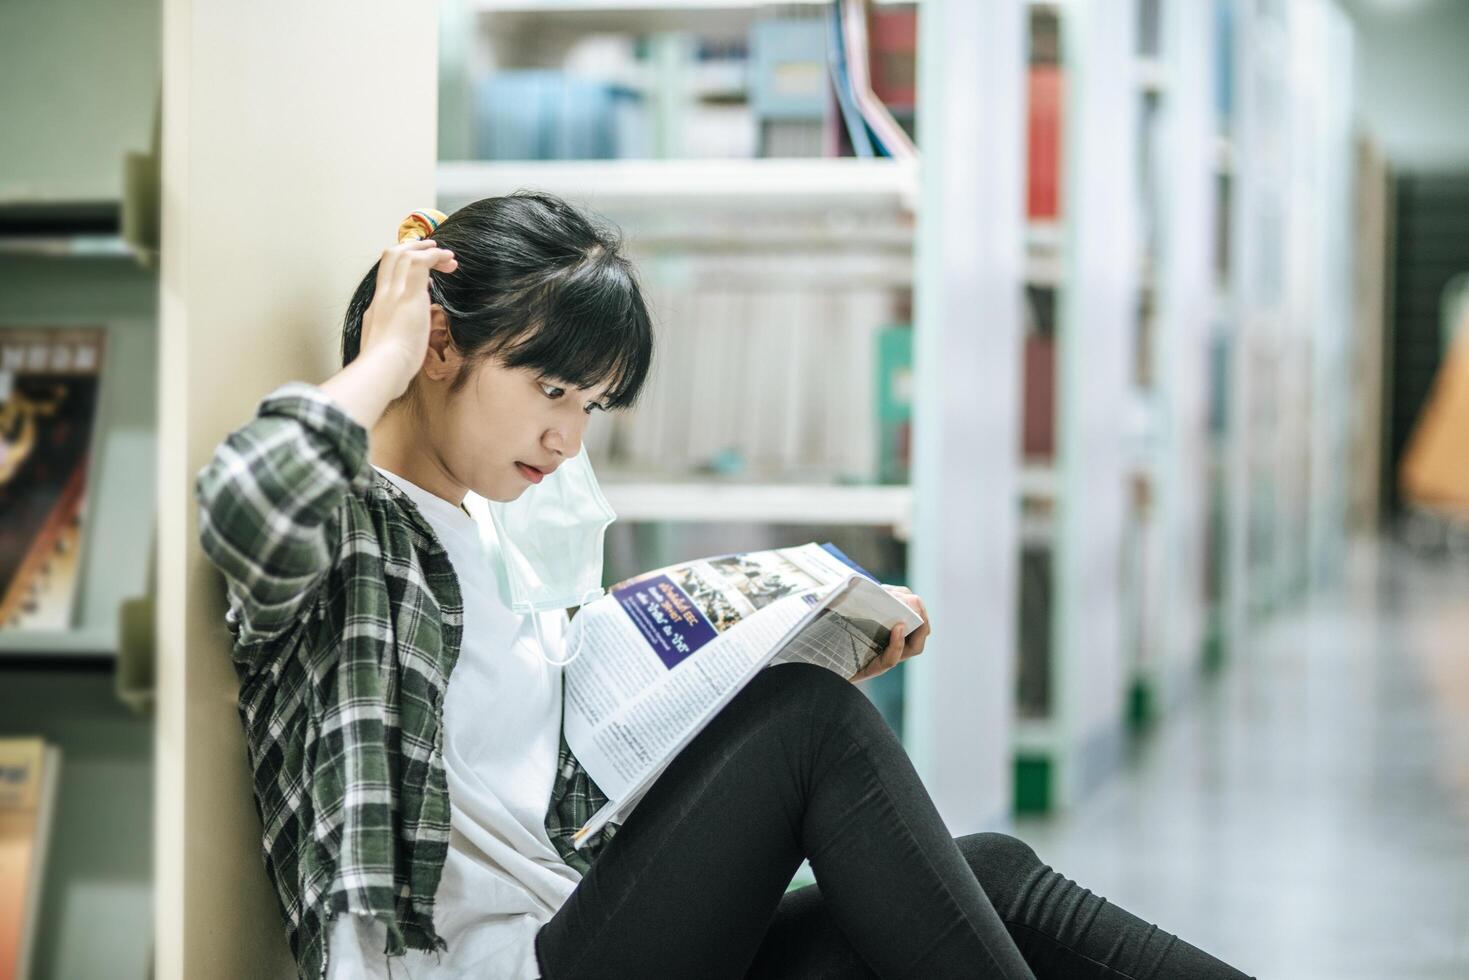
column 590, row 337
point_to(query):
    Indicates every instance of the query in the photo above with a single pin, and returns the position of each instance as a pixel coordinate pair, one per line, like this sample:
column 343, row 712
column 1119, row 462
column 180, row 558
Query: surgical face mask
column 550, row 544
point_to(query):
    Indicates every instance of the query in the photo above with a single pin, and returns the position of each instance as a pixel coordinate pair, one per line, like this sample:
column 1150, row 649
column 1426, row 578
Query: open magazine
column 665, row 651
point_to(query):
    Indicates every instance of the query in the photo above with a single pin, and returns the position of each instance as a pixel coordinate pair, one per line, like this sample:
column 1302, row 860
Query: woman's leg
column 1062, row 929
column 798, row 764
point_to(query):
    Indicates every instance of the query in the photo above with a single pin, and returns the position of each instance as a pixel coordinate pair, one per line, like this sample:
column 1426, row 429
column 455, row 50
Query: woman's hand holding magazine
column 900, row 646
column 663, row 652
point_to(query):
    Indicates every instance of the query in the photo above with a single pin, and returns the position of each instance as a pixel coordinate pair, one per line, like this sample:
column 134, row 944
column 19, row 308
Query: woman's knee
column 801, row 703
column 806, row 691
column 1003, row 865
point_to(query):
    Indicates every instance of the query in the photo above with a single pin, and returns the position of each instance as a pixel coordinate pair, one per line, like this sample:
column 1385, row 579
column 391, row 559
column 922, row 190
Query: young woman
column 404, row 815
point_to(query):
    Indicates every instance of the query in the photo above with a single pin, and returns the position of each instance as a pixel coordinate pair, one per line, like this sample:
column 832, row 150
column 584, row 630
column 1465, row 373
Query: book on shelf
column 790, row 94
column 1038, row 389
column 663, row 652
column 1150, row 28
column 1034, row 597
column 858, row 136
column 1043, row 115
column 894, row 38
column 1224, row 42
column 49, row 387
column 544, row 114
column 894, row 403
column 889, row 137
column 798, row 82
column 29, row 771
column 1038, row 412
column 777, row 375
column 1043, row 142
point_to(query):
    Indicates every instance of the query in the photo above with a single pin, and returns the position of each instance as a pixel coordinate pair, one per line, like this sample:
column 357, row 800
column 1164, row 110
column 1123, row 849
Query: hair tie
column 420, row 224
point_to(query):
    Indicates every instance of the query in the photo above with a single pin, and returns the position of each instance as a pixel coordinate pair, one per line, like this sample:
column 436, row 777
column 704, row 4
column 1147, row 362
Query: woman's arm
column 265, row 500
column 267, row 496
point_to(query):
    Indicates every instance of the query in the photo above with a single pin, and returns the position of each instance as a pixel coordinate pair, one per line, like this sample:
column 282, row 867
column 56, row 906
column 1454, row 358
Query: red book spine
column 1038, row 434
column 894, row 41
column 1043, row 197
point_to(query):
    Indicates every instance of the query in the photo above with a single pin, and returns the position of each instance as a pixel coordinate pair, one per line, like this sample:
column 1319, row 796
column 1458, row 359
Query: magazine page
column 664, row 651
column 646, row 627
column 625, row 709
column 624, row 746
column 851, row 630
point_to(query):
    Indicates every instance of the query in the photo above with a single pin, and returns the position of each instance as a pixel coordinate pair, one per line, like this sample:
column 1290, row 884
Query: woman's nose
column 564, row 441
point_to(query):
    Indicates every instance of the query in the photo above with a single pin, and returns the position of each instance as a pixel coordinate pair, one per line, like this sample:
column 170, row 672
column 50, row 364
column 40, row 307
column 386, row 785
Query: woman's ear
column 442, row 359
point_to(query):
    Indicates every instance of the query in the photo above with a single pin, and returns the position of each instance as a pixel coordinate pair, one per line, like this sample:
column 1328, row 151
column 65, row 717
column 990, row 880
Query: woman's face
column 507, row 425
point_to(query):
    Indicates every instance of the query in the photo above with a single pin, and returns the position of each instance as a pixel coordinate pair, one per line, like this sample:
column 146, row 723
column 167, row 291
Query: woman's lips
column 529, row 472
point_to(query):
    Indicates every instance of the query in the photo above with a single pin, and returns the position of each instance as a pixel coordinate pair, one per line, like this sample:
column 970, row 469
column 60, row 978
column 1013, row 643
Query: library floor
column 1306, row 815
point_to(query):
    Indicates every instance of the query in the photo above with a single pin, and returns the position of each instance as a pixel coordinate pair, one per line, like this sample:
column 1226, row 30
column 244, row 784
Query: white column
column 1097, row 314
column 1185, row 310
column 1332, row 329
column 963, row 554
column 295, row 138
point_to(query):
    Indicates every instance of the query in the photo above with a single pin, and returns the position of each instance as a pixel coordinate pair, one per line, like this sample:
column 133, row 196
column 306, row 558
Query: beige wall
column 295, row 138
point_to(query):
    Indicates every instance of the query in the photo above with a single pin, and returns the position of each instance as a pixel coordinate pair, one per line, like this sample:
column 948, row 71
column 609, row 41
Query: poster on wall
column 49, row 382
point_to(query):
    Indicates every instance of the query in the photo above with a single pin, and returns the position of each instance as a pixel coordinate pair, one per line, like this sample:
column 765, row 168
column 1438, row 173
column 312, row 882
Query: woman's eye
column 595, row 407
column 551, row 391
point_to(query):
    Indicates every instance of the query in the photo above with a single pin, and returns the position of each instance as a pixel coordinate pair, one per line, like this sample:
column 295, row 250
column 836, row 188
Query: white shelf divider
column 651, row 6
column 971, row 264
column 83, row 642
column 876, row 505
column 620, row 6
column 744, row 185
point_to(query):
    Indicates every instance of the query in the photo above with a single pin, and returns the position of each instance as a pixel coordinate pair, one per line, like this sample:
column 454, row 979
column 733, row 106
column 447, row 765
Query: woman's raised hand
column 397, row 321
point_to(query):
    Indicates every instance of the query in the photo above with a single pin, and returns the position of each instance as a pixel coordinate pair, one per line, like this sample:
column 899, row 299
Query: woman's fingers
column 897, row 642
column 414, row 268
column 900, row 645
column 399, row 315
column 921, row 634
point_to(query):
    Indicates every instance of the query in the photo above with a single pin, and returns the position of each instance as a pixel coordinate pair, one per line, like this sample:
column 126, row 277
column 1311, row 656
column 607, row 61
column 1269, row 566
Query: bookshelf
column 1112, row 533
column 823, row 223
column 787, row 226
column 96, row 906
column 1236, row 439
column 55, row 291
column 1080, row 714
column 1169, row 596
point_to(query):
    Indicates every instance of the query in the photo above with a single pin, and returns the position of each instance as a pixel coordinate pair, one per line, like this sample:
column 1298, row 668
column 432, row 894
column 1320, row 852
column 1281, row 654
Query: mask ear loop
column 580, row 633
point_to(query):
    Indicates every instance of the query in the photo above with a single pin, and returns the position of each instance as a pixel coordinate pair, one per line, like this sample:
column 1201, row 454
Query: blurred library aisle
column 1307, row 816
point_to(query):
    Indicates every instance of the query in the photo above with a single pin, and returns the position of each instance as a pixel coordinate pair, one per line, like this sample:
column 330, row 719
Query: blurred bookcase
column 1218, row 492
column 775, row 258
column 1176, row 430
column 96, row 900
column 81, row 81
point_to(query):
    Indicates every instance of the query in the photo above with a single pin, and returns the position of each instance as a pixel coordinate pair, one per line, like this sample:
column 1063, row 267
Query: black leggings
column 800, row 765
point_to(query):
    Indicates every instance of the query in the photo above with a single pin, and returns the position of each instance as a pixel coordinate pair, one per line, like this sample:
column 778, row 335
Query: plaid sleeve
column 574, row 798
column 265, row 502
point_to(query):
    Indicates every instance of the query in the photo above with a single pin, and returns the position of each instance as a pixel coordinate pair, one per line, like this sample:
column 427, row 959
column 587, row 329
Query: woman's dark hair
column 539, row 285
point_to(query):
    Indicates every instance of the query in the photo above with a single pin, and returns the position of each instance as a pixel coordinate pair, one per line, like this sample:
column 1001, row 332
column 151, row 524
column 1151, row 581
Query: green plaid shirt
column 347, row 618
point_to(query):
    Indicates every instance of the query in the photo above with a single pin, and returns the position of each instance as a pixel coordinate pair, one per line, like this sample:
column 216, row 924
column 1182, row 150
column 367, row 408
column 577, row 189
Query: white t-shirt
column 502, row 722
